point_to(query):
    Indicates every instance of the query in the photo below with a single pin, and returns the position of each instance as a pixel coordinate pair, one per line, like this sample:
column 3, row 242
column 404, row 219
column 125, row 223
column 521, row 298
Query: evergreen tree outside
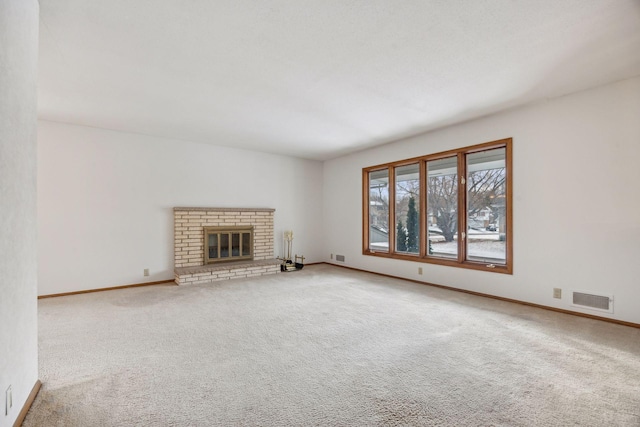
column 413, row 230
column 401, row 237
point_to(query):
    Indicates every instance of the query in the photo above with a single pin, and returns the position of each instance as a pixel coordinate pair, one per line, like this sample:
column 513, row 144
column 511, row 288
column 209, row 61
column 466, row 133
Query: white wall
column 18, row 303
column 105, row 201
column 576, row 200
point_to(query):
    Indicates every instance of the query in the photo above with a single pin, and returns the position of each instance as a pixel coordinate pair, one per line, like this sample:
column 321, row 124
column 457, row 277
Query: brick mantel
column 187, row 209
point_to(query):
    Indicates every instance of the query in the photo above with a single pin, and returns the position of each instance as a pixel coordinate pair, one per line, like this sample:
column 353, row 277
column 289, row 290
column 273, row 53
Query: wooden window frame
column 423, row 257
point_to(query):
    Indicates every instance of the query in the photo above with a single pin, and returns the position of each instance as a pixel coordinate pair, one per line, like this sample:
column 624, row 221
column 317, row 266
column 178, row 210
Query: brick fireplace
column 190, row 226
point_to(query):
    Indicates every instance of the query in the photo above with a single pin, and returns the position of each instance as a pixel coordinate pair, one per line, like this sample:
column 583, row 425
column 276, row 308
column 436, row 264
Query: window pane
column 486, row 206
column 442, row 207
column 379, row 210
column 213, row 246
column 407, row 208
column 246, row 244
column 235, row 244
column 224, row 245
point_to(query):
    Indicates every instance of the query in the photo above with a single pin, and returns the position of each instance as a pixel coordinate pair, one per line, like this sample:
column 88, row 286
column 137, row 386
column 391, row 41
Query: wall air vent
column 340, row 258
column 592, row 301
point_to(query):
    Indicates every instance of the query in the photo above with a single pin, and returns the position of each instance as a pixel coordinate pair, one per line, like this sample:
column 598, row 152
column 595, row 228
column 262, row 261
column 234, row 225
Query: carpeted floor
column 327, row 346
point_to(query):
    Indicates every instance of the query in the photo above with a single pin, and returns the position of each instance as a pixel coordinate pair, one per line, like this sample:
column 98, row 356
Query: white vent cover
column 593, row 301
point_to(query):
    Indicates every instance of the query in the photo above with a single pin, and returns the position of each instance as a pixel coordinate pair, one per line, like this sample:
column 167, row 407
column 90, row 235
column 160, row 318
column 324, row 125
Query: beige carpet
column 327, row 346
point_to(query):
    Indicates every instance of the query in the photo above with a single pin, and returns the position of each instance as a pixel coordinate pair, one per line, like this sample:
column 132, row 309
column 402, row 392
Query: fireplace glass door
column 228, row 244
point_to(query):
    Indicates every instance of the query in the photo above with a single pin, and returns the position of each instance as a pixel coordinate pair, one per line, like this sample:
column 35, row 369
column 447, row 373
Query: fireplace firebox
column 225, row 244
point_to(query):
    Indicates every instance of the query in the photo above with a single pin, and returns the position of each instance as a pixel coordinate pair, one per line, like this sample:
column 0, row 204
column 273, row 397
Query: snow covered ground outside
column 478, row 248
column 482, row 244
column 435, row 234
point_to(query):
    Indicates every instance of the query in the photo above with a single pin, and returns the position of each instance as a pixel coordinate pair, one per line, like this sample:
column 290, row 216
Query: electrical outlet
column 146, row 271
column 557, row 293
column 8, row 401
column 419, row 270
column 331, row 256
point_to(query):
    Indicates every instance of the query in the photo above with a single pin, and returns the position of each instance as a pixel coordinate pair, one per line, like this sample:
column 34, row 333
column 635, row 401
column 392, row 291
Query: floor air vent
column 593, row 301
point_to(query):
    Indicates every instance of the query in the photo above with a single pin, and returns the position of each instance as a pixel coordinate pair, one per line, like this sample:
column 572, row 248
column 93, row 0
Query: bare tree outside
column 485, row 210
column 442, row 207
column 486, row 205
column 442, row 201
column 458, row 213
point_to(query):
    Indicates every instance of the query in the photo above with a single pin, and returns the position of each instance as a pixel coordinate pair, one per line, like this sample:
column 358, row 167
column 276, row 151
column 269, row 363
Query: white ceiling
column 318, row 79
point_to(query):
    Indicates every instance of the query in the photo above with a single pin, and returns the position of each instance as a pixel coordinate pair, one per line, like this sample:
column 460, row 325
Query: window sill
column 472, row 265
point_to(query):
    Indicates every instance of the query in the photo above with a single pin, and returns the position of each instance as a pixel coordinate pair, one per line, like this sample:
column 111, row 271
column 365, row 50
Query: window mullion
column 392, row 210
column 424, row 241
column 366, row 214
column 462, row 208
column 509, row 204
